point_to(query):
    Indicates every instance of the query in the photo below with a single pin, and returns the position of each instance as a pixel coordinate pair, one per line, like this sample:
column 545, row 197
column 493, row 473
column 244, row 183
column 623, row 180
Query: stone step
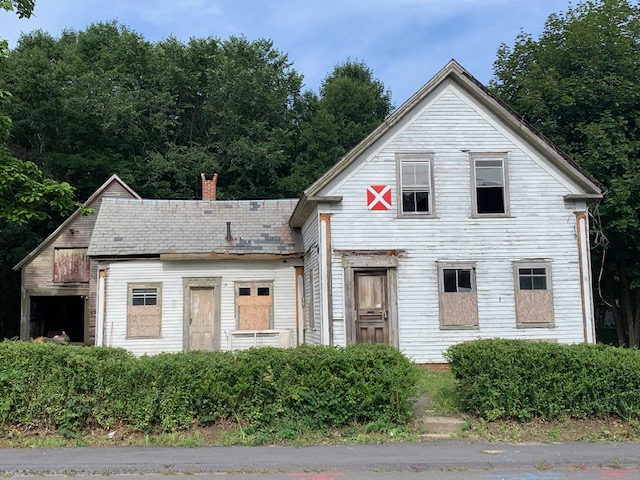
column 441, row 424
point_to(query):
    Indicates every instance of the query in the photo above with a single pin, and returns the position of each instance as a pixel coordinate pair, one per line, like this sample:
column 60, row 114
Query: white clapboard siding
column 170, row 275
column 541, row 225
column 310, row 234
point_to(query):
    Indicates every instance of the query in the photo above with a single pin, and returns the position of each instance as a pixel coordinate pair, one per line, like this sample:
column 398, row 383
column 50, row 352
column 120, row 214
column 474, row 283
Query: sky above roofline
column 404, row 42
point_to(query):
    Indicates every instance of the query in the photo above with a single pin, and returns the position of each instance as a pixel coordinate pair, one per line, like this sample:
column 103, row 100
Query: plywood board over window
column 144, row 311
column 534, row 296
column 71, row 265
column 254, row 305
column 458, row 297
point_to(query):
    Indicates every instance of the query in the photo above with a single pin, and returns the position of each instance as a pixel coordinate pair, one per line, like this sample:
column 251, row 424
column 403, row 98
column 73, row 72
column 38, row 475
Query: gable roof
column 35, row 252
column 176, row 228
column 452, row 71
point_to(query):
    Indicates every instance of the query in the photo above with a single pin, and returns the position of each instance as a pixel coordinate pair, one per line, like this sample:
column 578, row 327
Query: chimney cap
column 209, row 176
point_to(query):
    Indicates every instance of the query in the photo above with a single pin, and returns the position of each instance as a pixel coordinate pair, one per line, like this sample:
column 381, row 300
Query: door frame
column 200, row 282
column 368, row 261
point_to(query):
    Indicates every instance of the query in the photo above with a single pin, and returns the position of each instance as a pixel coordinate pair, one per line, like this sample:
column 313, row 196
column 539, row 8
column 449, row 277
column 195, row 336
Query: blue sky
column 404, row 42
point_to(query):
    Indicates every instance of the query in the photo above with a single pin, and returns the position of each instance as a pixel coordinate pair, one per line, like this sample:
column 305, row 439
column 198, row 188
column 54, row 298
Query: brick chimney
column 209, row 181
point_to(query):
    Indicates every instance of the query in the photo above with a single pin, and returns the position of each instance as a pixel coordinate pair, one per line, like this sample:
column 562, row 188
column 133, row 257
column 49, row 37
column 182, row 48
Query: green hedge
column 71, row 388
column 523, row 379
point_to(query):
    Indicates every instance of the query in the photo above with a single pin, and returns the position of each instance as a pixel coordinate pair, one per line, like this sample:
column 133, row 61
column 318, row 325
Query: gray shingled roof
column 150, row 227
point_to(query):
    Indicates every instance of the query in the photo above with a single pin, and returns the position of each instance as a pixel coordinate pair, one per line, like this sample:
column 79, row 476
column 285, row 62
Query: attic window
column 489, row 184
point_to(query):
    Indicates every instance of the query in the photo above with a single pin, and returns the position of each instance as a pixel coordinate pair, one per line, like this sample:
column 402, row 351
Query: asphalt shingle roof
column 150, row 227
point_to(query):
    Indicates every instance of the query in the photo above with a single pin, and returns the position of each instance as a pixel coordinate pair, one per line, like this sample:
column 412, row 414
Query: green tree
column 579, row 83
column 26, row 197
column 351, row 104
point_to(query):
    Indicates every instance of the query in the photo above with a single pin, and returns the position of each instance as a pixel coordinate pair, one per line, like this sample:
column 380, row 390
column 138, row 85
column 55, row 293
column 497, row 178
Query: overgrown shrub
column 523, row 379
column 71, row 388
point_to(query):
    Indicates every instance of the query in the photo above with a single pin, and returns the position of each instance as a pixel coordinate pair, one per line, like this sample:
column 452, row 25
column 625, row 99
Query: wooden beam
column 228, row 256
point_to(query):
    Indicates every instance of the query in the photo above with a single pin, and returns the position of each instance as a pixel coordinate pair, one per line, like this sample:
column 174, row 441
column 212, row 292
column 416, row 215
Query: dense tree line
column 105, row 100
column 91, row 103
column 579, row 83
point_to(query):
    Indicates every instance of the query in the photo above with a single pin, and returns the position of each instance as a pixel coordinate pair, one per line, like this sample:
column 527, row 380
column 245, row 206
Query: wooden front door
column 202, row 319
column 372, row 312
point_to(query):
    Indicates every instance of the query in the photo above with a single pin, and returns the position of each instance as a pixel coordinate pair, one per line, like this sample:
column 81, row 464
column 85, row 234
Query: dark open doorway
column 52, row 315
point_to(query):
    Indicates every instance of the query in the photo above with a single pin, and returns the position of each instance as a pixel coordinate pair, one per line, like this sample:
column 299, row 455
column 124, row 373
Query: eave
column 229, row 256
column 306, row 205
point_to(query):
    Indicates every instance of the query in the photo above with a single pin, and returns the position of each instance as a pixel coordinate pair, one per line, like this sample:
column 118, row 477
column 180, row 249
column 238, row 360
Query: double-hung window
column 458, row 297
column 489, row 184
column 534, row 297
column 415, row 192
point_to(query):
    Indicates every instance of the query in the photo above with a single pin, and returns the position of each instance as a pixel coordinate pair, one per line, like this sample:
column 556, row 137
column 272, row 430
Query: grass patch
column 437, row 388
column 604, row 429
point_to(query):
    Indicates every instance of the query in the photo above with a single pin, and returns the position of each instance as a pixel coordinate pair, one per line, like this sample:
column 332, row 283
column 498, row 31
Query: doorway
column 372, row 311
column 52, row 315
column 201, row 314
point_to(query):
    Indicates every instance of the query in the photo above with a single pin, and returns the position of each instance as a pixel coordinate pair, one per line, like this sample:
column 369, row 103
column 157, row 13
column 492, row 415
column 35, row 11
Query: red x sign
column 379, row 197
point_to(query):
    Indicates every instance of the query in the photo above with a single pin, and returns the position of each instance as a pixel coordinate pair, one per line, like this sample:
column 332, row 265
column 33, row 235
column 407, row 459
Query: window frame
column 487, row 156
column 158, row 305
column 405, row 158
column 546, row 264
column 253, row 285
column 471, row 266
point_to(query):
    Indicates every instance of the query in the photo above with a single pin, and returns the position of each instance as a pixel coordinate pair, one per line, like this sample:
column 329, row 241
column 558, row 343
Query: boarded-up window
column 254, row 306
column 458, row 297
column 71, row 265
column 534, row 297
column 144, row 311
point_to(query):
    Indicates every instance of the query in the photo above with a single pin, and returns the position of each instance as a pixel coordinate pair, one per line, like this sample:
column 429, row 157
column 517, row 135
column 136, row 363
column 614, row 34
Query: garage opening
column 52, row 315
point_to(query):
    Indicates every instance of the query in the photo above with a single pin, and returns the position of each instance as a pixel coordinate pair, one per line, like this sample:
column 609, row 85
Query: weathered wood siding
column 170, row 275
column 39, row 273
column 449, row 124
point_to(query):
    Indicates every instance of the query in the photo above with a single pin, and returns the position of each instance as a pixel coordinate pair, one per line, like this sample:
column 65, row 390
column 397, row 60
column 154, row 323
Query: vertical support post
column 100, row 309
column 25, row 310
column 300, row 319
column 326, row 310
column 584, row 261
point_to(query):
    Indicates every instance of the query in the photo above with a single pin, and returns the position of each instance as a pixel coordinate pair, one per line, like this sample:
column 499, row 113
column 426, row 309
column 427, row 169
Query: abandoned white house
column 453, row 220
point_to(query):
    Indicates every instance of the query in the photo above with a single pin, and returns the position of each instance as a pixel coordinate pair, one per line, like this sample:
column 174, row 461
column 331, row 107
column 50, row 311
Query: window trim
column 503, row 157
column 442, row 266
column 417, row 157
column 546, row 264
column 130, row 287
column 254, row 285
